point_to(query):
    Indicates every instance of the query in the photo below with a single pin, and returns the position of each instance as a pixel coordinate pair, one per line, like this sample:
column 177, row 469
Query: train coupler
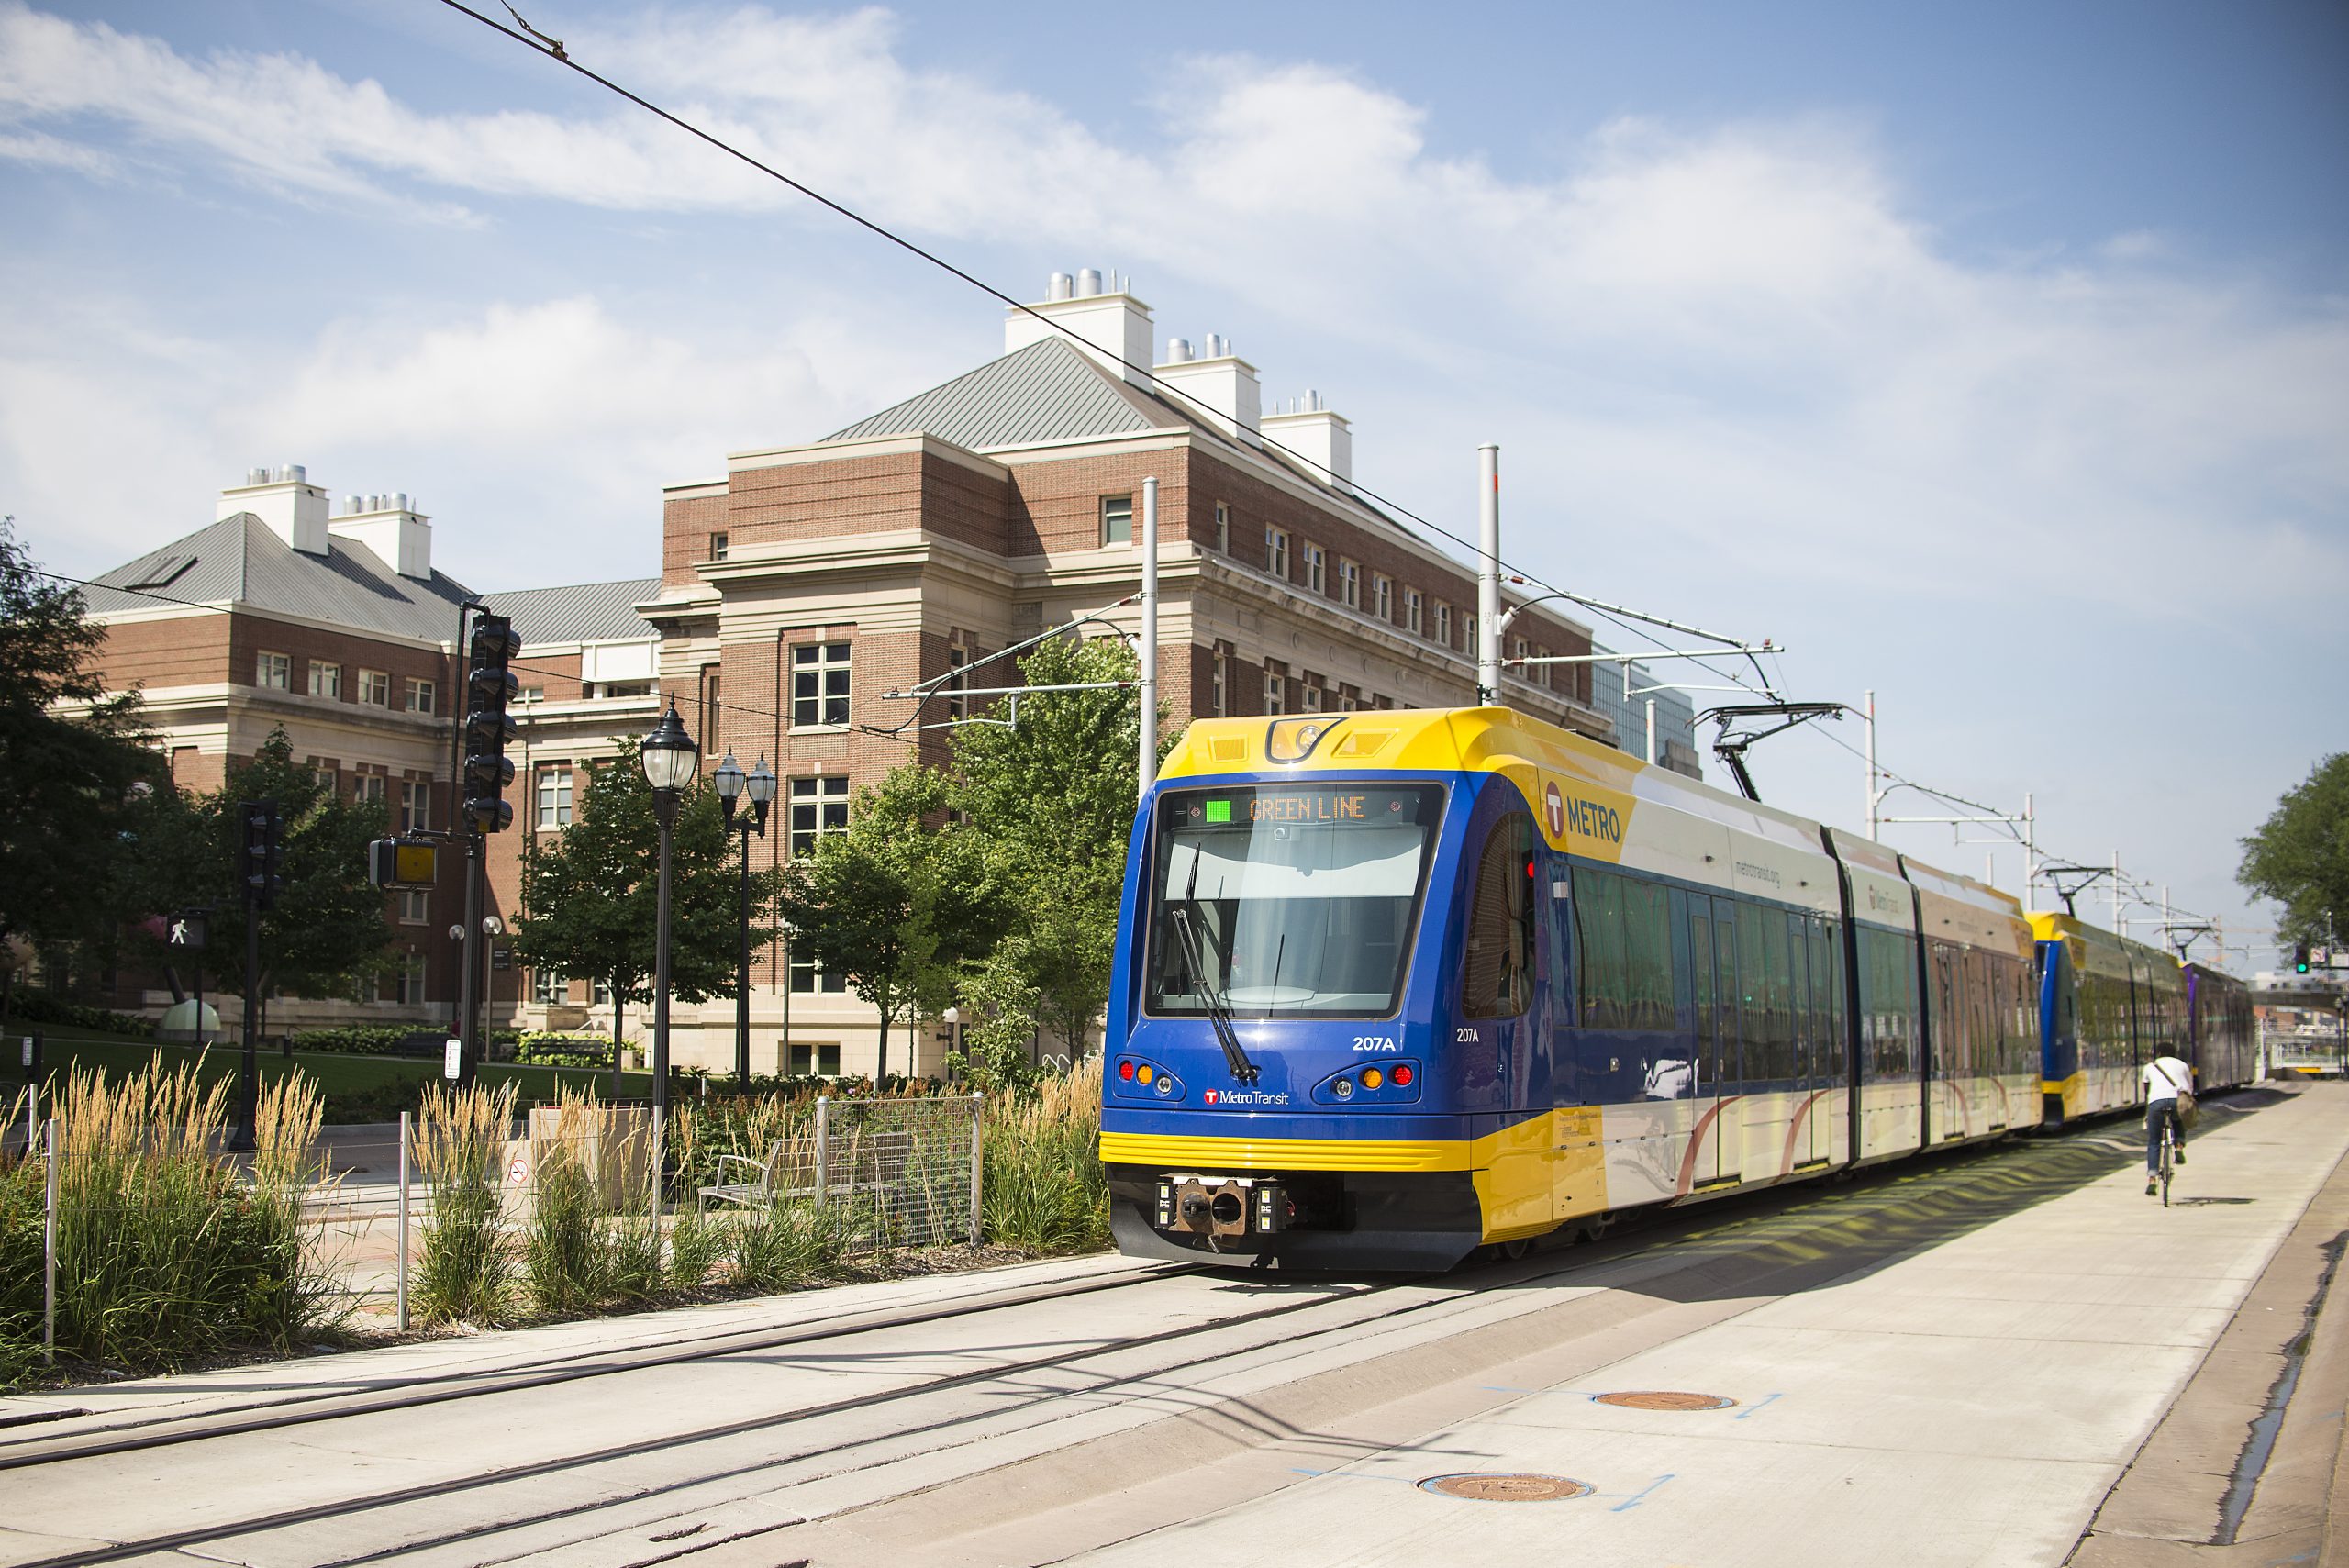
column 1222, row 1208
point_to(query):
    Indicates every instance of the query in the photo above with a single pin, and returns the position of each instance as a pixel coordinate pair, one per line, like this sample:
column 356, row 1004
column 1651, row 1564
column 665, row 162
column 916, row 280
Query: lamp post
column 760, row 785
column 668, row 755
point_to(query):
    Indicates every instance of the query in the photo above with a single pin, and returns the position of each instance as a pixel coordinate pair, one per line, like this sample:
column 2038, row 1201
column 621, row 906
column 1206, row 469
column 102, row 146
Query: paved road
column 1954, row 1365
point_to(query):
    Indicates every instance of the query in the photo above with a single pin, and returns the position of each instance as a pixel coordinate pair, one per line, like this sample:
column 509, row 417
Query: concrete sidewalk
column 1981, row 1403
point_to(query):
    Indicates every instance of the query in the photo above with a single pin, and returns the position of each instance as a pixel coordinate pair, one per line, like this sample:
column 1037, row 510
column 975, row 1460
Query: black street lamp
column 668, row 755
column 759, row 784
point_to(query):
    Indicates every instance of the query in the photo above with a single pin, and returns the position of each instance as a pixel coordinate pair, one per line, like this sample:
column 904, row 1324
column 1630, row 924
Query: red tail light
column 1125, row 1071
column 1401, row 1075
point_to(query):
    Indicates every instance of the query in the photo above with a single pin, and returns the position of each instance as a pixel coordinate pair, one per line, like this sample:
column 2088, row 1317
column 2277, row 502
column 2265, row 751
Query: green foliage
column 39, row 1007
column 2299, row 856
column 1053, row 796
column 66, row 778
column 788, row 1245
column 590, row 892
column 325, row 929
column 900, row 901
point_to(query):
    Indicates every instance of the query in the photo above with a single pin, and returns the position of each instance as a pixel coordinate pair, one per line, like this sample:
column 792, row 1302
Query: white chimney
column 1221, row 388
column 295, row 509
column 400, row 537
column 1322, row 438
column 1109, row 327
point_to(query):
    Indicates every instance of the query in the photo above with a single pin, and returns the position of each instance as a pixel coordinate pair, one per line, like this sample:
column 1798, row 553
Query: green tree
column 590, row 894
column 897, row 902
column 1054, row 796
column 325, row 930
column 2299, row 856
column 66, row 781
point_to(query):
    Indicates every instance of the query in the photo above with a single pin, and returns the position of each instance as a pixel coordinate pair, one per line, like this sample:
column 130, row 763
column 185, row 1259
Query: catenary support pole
column 2116, row 894
column 1488, row 576
column 402, row 1285
column 1871, row 739
column 1149, row 650
column 1651, row 732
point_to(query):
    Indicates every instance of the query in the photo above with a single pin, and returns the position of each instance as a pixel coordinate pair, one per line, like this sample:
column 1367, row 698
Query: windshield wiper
column 1235, row 1055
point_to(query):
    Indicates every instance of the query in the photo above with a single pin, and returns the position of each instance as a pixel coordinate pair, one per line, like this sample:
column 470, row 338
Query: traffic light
column 260, row 851
column 489, row 688
column 2300, row 958
column 402, row 862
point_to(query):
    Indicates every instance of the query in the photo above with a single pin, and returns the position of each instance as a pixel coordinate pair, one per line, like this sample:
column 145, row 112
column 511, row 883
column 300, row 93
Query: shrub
column 563, row 1051
column 466, row 1270
column 40, row 1007
column 789, row 1244
column 589, row 1245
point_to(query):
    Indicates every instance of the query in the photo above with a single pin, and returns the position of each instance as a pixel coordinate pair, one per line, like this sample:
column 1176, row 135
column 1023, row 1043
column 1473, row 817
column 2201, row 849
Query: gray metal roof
column 586, row 611
column 1049, row 391
column 240, row 560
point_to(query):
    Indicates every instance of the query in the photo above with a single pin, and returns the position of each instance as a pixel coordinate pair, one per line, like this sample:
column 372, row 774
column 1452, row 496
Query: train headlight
column 1343, row 1089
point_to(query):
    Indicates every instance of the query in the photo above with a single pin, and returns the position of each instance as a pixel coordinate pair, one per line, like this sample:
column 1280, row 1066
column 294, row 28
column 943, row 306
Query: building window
column 1468, row 629
column 323, row 776
column 1276, row 552
column 808, row 977
column 370, row 787
column 1541, row 672
column 957, row 705
column 548, row 988
column 1413, row 616
column 1223, row 527
column 531, row 695
column 1275, row 693
column 619, row 689
column 415, row 806
column 1349, row 583
column 1317, row 569
column 1117, row 520
column 376, row 688
column 416, row 906
column 1309, row 693
column 1443, row 625
column 420, row 695
column 554, row 796
column 1347, row 702
column 718, row 547
column 407, row 985
column 274, row 671
column 326, row 680
column 815, row 1060
column 818, row 805
column 1382, row 597
column 1220, row 697
column 600, row 993
column 818, row 685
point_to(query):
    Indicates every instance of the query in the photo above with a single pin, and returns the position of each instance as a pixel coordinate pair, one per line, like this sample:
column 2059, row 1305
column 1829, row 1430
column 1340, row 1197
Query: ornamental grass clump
column 23, row 1201
column 789, row 1244
column 1044, row 1188
column 592, row 1241
column 167, row 1249
column 465, row 1272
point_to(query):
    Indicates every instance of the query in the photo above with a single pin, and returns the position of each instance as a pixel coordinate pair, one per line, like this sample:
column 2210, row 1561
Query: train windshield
column 1287, row 900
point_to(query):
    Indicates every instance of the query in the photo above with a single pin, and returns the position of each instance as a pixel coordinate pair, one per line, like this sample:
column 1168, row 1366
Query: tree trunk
column 881, row 1061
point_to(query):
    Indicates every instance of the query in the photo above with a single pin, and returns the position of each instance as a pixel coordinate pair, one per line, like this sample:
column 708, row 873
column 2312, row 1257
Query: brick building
column 804, row 582
column 328, row 619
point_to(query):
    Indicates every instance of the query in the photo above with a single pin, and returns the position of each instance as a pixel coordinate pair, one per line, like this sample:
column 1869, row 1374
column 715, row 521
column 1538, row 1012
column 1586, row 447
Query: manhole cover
column 1507, row 1489
column 1663, row 1399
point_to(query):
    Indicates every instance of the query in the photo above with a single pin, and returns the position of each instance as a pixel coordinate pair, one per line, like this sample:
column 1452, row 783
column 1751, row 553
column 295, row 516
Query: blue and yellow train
column 1393, row 985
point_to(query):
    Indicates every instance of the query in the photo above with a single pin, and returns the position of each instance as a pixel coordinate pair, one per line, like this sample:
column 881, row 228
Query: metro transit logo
column 1588, row 819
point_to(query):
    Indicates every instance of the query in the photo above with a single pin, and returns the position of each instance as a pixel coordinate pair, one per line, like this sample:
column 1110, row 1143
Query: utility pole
column 1148, row 771
column 1488, row 576
column 1873, row 796
column 2115, row 894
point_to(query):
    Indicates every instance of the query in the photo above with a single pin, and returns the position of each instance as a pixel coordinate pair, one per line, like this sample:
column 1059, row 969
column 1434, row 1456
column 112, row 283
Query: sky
column 1994, row 359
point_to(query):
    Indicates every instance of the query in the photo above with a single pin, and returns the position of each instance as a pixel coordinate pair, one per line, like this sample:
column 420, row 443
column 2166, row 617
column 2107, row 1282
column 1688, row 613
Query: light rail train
column 1393, row 985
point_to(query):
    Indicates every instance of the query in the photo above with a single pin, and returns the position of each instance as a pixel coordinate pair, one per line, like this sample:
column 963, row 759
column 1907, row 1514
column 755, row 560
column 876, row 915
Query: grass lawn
column 362, row 1080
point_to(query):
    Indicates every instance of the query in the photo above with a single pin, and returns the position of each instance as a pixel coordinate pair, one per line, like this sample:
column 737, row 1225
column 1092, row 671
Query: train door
column 1705, row 1134
column 1945, row 1050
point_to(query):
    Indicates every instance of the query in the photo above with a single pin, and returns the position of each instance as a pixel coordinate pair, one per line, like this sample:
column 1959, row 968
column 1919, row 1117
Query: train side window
column 1700, row 965
column 1599, row 933
column 1827, row 986
column 1647, row 939
column 1498, row 975
column 1725, row 986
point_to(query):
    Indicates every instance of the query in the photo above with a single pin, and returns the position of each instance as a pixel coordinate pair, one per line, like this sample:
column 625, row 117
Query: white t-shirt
column 2165, row 1076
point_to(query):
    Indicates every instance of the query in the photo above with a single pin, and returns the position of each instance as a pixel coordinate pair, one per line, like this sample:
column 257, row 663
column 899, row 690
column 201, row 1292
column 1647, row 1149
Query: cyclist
column 2165, row 1077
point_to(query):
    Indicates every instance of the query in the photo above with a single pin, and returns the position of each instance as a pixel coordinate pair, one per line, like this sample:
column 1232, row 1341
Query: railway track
column 841, row 1438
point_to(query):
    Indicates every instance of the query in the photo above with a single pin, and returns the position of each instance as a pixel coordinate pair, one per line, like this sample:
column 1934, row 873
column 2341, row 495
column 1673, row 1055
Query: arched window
column 1498, row 981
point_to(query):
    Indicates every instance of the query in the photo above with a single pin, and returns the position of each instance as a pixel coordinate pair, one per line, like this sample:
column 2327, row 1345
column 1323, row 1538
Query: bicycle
column 2169, row 1147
